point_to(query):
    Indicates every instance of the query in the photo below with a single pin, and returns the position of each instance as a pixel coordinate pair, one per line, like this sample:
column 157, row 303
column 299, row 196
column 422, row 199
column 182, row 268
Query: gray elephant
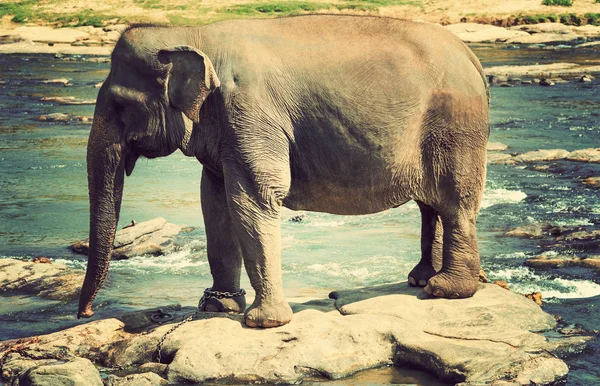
column 339, row 114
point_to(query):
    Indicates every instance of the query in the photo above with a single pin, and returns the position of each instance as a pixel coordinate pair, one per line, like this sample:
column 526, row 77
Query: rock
column 483, row 277
column 557, row 28
column 50, row 281
column 60, row 117
column 12, row 38
column 502, row 284
column 572, row 70
column 153, row 237
column 486, row 338
column 527, row 82
column 560, row 261
column 49, row 35
column 116, row 28
column 545, row 38
column 481, row 33
column 496, row 146
column 585, row 155
column 144, row 379
column 139, row 320
column 547, row 82
column 56, row 81
column 505, row 85
column 558, row 80
column 593, row 182
column 582, row 235
column 69, row 100
column 299, row 218
column 78, row 371
column 92, row 40
column 497, row 79
column 542, row 155
column 111, row 37
column 55, row 117
column 42, row 260
column 536, row 297
column 529, row 231
column 587, row 30
column 91, row 341
column 500, row 159
column 585, row 79
column 588, row 44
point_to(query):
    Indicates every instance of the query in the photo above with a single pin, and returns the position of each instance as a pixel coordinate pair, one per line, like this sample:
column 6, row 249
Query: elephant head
column 144, row 108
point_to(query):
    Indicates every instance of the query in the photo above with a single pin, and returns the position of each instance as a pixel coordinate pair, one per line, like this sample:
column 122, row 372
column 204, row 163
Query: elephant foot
column 452, row 286
column 268, row 315
column 420, row 275
column 235, row 305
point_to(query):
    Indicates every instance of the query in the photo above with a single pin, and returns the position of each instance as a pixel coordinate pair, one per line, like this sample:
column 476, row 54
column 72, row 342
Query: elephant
column 347, row 115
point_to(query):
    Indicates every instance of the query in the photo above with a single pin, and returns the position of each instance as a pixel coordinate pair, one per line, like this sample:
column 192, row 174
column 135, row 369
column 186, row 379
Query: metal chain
column 208, row 294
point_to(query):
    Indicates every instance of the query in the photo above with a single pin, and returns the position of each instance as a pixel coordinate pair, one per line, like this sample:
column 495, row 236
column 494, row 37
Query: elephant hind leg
column 459, row 275
column 431, row 247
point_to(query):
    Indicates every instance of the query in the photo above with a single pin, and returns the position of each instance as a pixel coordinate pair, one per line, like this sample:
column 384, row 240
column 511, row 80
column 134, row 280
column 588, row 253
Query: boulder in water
column 49, row 281
column 153, row 237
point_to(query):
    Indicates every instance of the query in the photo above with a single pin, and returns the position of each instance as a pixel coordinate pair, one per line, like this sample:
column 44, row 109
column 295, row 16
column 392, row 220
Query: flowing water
column 44, row 207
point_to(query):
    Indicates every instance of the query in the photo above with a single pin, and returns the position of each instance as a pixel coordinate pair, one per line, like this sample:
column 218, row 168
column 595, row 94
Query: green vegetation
column 564, row 18
column 24, row 11
column 21, row 10
column 562, row 3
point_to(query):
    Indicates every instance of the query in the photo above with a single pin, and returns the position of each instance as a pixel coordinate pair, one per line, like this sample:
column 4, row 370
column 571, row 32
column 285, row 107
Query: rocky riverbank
column 494, row 336
column 100, row 41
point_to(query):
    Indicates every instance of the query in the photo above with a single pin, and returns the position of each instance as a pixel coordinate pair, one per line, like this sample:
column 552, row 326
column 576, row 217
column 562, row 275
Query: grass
column 25, row 11
column 562, row 3
column 564, row 18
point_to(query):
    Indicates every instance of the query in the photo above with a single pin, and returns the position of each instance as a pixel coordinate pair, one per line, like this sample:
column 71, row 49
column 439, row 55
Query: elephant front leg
column 431, row 247
column 224, row 253
column 257, row 218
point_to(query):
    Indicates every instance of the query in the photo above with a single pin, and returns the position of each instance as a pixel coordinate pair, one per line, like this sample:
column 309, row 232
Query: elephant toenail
column 412, row 281
column 422, row 283
column 438, row 293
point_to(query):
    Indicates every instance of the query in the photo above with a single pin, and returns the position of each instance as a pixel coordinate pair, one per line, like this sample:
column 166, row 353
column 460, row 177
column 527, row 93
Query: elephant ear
column 191, row 79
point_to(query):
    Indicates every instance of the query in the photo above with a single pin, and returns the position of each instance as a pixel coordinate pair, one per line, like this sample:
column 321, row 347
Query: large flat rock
column 483, row 33
column 492, row 336
column 544, row 70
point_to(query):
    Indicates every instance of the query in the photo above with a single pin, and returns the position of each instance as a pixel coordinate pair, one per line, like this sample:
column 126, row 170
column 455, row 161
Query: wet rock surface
column 64, row 118
column 562, row 247
column 545, row 71
column 153, row 237
column 590, row 155
column 46, row 280
column 493, row 336
column 69, row 100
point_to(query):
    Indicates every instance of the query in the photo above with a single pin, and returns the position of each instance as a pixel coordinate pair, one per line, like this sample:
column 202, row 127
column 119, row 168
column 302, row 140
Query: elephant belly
column 349, row 192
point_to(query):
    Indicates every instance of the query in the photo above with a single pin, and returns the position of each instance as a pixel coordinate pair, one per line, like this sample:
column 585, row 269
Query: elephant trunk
column 105, row 165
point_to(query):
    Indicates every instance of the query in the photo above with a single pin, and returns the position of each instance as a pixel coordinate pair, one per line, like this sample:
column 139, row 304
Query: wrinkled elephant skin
column 337, row 114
